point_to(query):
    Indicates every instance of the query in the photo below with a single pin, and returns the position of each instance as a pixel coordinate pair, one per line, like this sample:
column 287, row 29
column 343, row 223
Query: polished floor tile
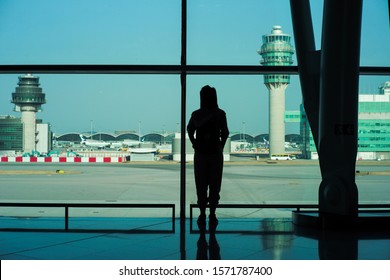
column 154, row 239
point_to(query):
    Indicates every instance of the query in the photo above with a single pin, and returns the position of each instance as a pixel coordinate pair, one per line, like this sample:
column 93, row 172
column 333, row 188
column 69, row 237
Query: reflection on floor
column 154, row 239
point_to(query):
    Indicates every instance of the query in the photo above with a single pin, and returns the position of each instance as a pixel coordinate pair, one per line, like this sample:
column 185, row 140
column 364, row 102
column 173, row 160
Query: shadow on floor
column 154, row 239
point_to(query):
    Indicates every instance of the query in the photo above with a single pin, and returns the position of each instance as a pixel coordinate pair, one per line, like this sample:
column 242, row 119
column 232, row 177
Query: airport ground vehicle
column 282, row 157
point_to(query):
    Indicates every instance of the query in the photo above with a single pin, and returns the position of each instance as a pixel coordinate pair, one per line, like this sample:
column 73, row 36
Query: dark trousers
column 208, row 179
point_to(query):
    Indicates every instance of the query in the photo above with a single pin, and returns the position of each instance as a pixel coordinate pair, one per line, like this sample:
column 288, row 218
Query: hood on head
column 208, row 97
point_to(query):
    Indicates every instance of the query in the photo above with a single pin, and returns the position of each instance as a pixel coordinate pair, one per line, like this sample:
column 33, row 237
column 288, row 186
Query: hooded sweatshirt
column 207, row 128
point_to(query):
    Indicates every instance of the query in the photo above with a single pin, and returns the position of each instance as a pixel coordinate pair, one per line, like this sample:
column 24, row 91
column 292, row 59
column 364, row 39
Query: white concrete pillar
column 276, row 118
column 28, row 120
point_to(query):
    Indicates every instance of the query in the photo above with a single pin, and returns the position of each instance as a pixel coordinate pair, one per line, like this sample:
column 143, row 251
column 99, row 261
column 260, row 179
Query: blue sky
column 226, row 32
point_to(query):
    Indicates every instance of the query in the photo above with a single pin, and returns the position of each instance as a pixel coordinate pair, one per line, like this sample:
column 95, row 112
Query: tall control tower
column 28, row 98
column 276, row 50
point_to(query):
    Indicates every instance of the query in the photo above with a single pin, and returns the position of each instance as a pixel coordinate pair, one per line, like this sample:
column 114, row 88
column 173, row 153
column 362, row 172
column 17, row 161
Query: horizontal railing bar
column 67, row 205
column 275, row 206
column 167, row 69
column 86, row 205
column 373, row 205
column 237, row 205
column 263, row 206
column 167, row 205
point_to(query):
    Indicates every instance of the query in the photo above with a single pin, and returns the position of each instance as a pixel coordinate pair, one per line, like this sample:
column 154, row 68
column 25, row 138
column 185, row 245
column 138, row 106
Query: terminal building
column 373, row 126
column 11, row 137
column 11, row 134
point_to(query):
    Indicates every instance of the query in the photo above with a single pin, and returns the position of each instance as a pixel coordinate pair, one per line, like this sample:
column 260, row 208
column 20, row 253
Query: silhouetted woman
column 208, row 131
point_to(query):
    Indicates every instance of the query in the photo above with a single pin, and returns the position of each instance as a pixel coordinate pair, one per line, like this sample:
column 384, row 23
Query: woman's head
column 208, row 97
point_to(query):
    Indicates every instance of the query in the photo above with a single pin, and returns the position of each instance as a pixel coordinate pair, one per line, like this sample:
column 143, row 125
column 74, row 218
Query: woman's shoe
column 213, row 221
column 201, row 220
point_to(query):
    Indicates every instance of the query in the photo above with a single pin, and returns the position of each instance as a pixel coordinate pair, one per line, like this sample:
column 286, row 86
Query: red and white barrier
column 64, row 159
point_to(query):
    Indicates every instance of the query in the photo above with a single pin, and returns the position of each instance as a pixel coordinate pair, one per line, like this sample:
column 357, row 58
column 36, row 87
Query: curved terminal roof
column 150, row 137
column 160, row 137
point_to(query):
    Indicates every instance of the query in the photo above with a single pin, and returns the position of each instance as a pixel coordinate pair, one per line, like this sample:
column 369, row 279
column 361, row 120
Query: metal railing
column 67, row 205
column 295, row 206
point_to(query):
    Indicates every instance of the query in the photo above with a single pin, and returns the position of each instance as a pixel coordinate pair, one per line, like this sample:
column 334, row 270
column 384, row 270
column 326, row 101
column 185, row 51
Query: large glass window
column 109, row 103
column 230, row 32
column 128, row 120
column 245, row 98
column 90, row 32
column 375, row 39
column 148, row 32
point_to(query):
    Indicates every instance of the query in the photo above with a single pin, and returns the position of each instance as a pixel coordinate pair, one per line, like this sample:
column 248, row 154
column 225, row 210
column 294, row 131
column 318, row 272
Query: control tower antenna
column 276, row 50
column 28, row 98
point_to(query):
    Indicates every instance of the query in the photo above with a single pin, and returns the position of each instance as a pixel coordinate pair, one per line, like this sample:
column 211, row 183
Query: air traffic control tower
column 28, row 98
column 276, row 50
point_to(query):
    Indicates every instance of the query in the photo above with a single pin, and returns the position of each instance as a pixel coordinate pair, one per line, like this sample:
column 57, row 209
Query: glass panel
column 90, row 32
column 373, row 139
column 112, row 102
column 248, row 177
column 374, row 119
column 244, row 98
column 375, row 40
column 127, row 123
column 229, row 32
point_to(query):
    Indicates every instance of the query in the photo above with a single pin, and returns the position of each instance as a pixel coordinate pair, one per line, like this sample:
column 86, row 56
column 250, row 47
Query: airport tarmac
column 245, row 182
column 141, row 234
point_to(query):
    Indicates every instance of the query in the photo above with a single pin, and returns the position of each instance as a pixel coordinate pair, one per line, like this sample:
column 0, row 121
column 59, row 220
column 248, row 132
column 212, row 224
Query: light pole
column 163, row 135
column 243, row 132
column 91, row 128
column 139, row 131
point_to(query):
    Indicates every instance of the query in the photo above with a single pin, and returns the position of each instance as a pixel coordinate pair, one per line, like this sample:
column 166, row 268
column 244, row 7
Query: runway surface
column 243, row 182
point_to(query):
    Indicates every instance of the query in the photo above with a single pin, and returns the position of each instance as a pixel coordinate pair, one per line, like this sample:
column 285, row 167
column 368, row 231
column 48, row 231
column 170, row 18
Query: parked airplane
column 131, row 143
column 143, row 150
column 116, row 145
column 94, row 143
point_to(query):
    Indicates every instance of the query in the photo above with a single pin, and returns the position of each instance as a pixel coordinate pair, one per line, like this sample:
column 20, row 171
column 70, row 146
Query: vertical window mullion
column 183, row 80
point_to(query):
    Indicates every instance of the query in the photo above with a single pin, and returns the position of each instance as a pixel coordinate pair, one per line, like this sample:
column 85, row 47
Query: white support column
column 276, row 118
column 28, row 120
